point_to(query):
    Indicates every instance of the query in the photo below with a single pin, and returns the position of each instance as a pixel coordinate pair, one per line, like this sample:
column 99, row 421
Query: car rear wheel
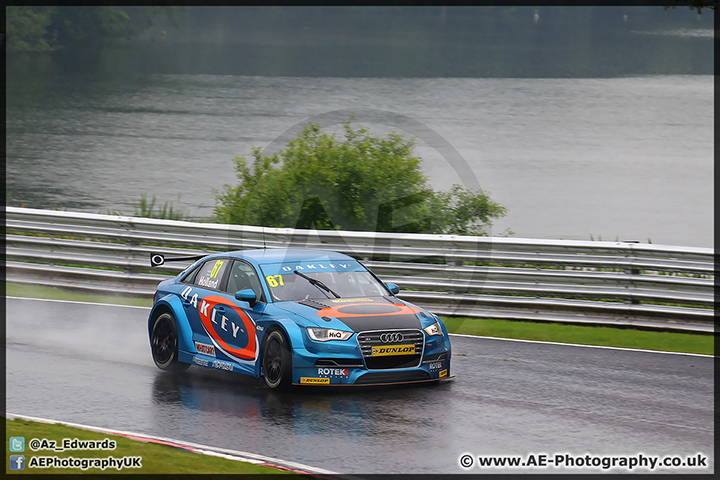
column 164, row 344
column 277, row 362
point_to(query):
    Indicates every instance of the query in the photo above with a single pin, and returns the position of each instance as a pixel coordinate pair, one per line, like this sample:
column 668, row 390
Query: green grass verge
column 585, row 335
column 156, row 459
column 543, row 331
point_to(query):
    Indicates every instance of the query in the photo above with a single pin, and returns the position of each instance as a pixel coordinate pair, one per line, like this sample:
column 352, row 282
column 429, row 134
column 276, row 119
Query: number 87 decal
column 275, row 280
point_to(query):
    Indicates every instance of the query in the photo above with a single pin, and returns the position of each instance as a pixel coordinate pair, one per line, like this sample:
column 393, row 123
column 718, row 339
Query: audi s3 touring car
column 294, row 317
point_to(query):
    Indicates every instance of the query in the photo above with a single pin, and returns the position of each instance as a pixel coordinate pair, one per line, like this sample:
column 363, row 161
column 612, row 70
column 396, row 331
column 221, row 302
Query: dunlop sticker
column 382, row 351
column 314, row 380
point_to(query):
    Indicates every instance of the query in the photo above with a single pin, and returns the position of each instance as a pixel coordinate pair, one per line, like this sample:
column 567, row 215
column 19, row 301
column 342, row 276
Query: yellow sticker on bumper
column 387, row 350
column 443, row 373
column 314, row 380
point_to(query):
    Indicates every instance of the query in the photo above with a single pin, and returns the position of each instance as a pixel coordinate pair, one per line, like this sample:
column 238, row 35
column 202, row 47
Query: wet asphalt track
column 91, row 364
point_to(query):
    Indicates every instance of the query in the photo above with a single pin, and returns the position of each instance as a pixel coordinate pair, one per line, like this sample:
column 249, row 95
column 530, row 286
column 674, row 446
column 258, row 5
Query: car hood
column 358, row 314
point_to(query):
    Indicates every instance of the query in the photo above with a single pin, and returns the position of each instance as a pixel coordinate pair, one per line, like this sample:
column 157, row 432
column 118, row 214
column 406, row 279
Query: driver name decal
column 212, row 278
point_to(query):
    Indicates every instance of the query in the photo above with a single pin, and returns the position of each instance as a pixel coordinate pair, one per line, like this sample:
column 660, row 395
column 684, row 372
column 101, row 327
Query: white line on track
column 78, row 302
column 452, row 334
column 193, row 447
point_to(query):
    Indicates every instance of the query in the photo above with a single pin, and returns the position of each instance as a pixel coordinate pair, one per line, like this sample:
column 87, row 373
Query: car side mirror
column 394, row 289
column 247, row 295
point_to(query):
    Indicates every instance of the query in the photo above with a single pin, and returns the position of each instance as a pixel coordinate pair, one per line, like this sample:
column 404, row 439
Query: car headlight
column 326, row 334
column 434, row 329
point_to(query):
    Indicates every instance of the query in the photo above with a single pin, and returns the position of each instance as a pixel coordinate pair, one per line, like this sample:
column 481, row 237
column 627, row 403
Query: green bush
column 362, row 182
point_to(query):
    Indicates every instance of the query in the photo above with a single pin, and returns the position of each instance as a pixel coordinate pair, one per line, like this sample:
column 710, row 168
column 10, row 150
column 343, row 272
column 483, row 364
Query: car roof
column 281, row 255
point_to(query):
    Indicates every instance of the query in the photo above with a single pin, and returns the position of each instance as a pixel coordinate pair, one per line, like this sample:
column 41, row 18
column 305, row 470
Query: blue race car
column 294, row 316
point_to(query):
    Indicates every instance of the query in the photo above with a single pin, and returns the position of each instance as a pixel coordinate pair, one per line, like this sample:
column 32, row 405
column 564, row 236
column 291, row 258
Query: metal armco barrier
column 604, row 283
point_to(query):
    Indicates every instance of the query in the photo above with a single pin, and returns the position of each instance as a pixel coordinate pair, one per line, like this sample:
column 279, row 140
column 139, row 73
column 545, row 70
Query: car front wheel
column 277, row 362
column 164, row 344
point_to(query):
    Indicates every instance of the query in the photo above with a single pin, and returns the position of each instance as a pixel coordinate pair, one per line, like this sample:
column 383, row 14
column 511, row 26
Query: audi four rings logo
column 393, row 337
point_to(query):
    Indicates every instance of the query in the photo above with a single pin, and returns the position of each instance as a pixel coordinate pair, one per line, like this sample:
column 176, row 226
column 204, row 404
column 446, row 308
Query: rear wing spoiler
column 157, row 259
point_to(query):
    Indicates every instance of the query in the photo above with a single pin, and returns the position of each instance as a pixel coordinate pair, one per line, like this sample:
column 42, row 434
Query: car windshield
column 299, row 285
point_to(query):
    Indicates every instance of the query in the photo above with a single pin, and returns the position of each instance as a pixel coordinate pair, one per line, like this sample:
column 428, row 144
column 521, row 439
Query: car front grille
column 376, row 341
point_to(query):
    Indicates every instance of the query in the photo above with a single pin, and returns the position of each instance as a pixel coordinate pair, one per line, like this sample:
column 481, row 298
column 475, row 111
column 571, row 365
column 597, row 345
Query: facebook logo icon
column 17, row 462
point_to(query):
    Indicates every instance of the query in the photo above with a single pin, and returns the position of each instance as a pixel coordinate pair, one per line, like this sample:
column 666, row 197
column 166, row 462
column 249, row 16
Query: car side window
column 190, row 276
column 242, row 276
column 211, row 273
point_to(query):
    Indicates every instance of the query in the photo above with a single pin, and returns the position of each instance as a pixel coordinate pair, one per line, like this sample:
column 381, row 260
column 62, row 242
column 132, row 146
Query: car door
column 226, row 327
column 205, row 281
column 241, row 316
column 211, row 313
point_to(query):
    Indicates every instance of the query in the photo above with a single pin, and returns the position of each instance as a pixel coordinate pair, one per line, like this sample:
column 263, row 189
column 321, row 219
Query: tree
column 463, row 212
column 27, row 29
column 362, row 182
column 694, row 4
column 43, row 29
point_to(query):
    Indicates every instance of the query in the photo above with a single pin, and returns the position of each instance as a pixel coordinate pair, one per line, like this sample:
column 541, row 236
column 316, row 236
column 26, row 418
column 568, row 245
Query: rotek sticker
column 205, row 349
column 435, row 366
column 443, row 373
column 321, row 381
column 392, row 350
column 334, row 372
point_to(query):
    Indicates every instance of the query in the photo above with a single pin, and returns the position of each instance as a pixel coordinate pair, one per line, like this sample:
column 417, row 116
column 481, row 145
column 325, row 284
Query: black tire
column 276, row 361
column 164, row 344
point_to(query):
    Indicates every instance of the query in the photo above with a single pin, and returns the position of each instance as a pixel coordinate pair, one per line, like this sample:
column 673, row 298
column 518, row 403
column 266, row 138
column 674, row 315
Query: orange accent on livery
column 337, row 311
column 248, row 352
